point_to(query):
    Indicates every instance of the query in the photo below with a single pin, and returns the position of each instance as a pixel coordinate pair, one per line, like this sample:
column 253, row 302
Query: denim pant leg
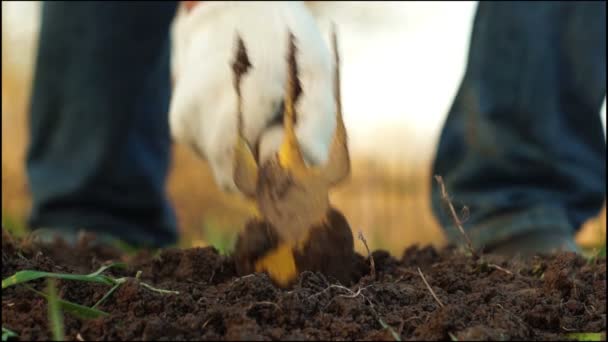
column 100, row 145
column 523, row 145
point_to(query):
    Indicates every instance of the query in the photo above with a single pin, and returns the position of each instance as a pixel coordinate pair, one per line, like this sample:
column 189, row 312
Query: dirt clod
column 329, row 250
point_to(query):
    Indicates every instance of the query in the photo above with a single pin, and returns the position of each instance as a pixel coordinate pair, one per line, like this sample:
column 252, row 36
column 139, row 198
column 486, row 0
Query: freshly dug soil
column 329, row 249
column 495, row 299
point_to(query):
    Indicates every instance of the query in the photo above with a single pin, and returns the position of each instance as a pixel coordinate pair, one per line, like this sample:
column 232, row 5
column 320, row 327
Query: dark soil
column 540, row 299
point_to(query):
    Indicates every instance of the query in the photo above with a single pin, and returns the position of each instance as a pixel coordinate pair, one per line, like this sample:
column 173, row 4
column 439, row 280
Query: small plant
column 29, row 275
column 78, row 310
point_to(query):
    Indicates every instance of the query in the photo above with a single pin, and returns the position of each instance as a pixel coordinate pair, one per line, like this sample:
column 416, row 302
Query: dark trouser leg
column 100, row 144
column 523, row 145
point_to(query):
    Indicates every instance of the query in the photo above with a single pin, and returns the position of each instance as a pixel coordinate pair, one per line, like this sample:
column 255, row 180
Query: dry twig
column 429, row 287
column 500, row 269
column 335, row 286
column 369, row 255
column 446, row 198
column 265, row 303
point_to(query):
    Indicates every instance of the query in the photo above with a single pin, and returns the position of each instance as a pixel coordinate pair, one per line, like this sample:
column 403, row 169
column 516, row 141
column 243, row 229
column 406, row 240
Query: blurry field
column 387, row 198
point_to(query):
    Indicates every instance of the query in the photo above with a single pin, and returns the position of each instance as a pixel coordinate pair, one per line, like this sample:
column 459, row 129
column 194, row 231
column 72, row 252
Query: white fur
column 203, row 111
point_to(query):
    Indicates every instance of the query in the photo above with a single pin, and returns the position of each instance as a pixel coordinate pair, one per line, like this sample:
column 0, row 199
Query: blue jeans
column 100, row 144
column 523, row 145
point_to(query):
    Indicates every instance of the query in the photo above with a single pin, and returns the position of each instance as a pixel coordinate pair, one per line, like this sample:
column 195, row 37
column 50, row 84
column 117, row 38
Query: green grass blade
column 55, row 315
column 390, row 329
column 587, row 336
column 80, row 311
column 29, row 275
column 7, row 333
column 22, row 277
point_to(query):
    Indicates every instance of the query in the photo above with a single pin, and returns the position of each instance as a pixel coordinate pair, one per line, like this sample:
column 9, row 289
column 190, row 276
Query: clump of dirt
column 543, row 298
column 329, row 248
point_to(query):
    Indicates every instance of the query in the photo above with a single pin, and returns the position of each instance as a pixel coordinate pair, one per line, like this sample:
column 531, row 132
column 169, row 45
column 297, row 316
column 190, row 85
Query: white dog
column 203, row 111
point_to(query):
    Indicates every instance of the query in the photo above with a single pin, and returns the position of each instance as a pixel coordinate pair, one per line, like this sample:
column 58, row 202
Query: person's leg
column 100, row 144
column 523, row 145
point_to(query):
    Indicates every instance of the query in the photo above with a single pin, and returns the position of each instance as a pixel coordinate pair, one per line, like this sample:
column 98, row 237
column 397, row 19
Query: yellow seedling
column 291, row 196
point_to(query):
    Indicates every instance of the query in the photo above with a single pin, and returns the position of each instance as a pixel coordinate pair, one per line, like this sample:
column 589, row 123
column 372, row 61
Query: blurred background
column 401, row 65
